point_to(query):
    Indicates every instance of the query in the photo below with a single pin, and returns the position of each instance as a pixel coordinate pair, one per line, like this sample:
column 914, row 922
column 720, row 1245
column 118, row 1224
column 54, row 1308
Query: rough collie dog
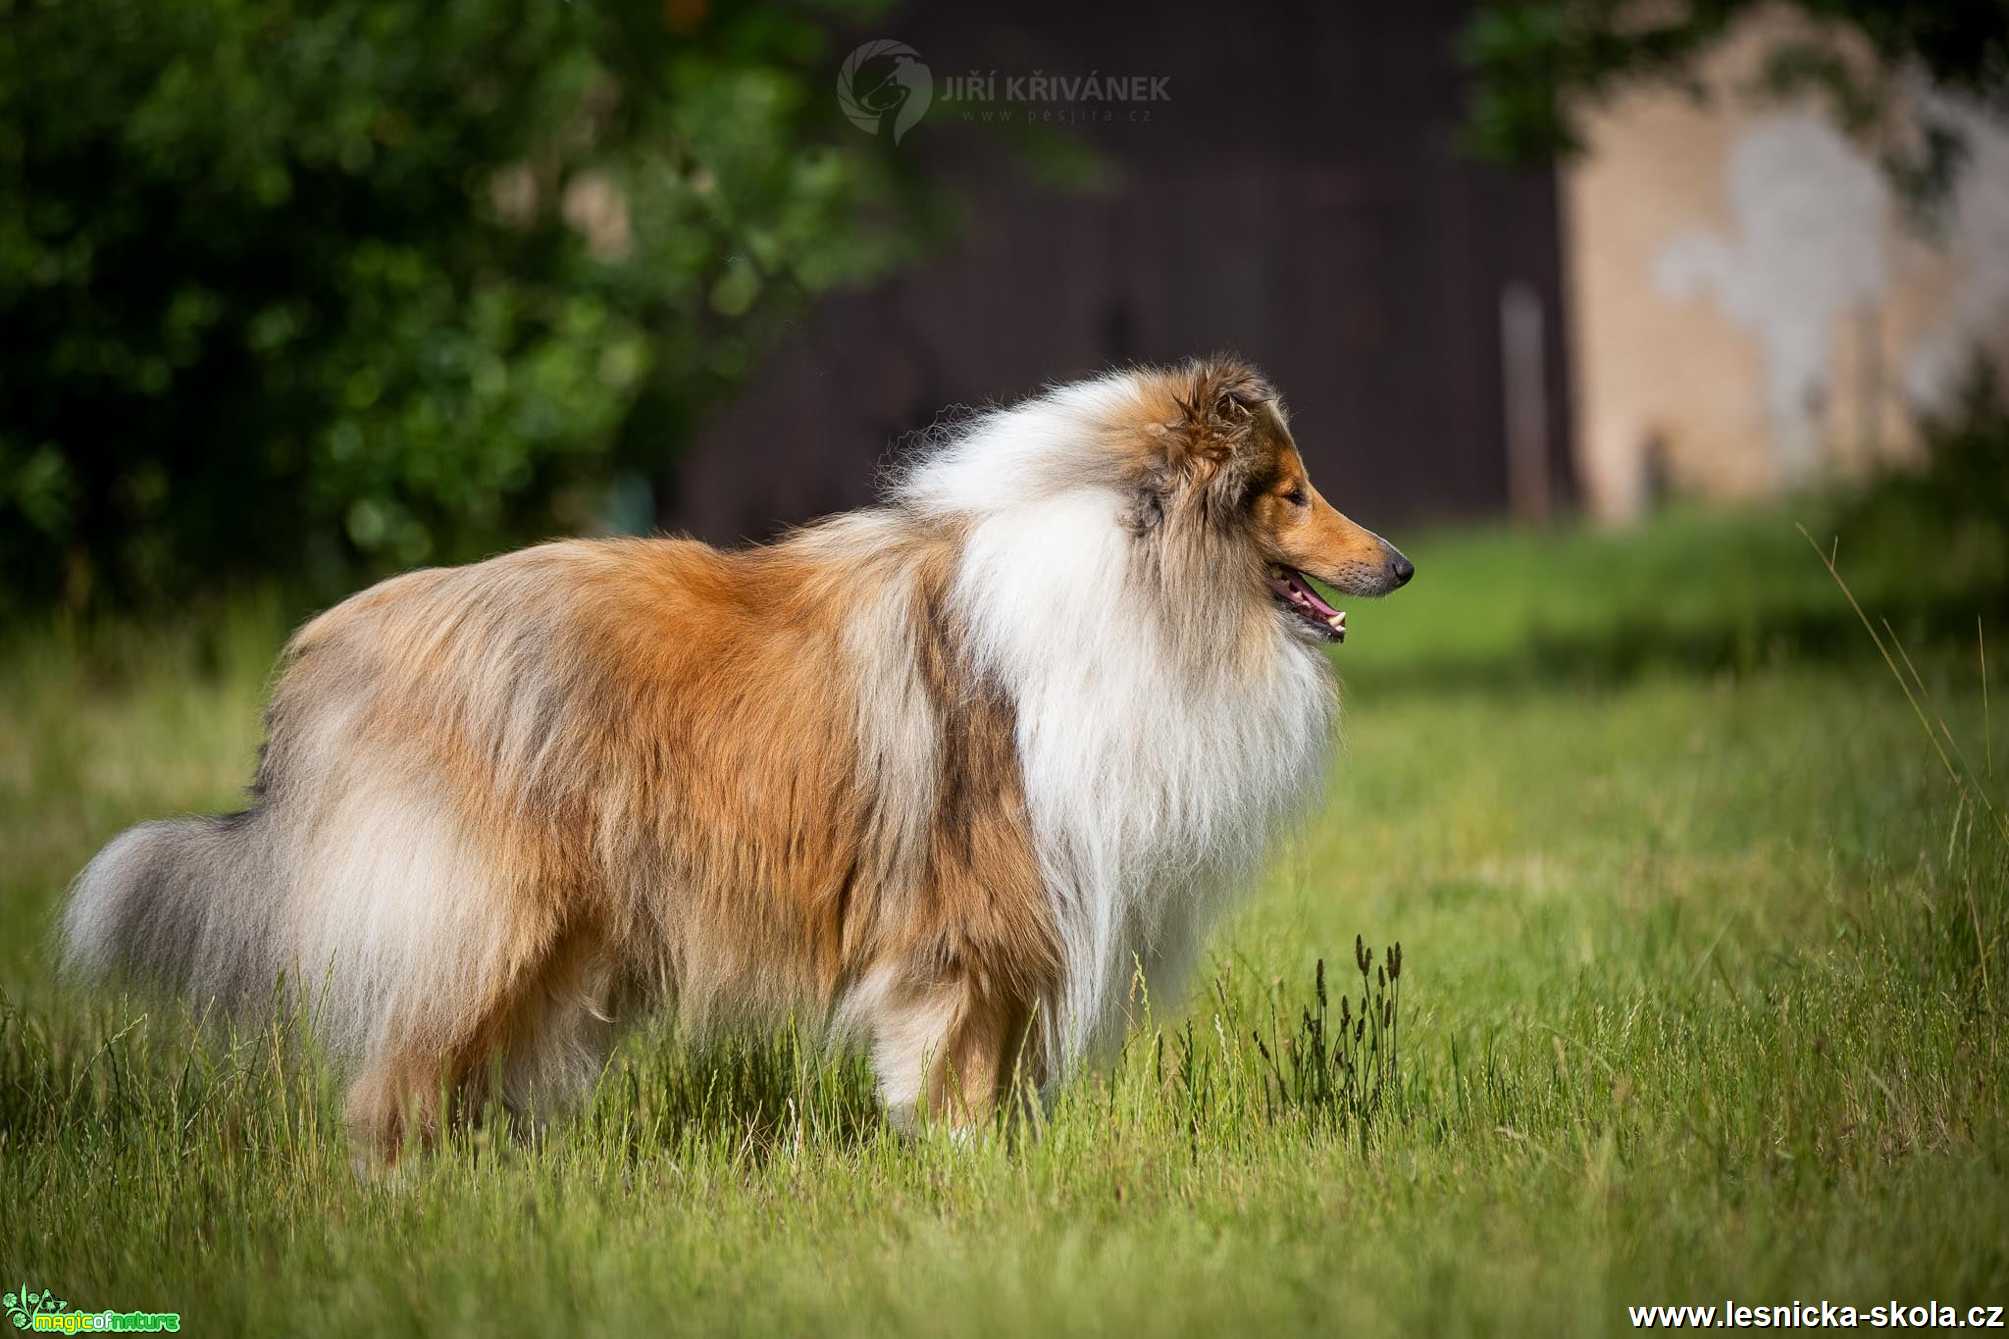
column 945, row 773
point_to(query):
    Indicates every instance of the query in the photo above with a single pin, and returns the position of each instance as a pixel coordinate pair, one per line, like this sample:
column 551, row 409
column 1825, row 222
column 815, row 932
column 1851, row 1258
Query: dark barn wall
column 1300, row 199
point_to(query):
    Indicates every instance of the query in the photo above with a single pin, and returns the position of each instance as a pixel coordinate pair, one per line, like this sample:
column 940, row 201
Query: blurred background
column 1624, row 318
column 300, row 295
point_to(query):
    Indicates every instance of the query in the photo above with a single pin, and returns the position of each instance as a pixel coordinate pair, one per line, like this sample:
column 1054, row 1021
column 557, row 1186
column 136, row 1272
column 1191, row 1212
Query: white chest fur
column 1156, row 772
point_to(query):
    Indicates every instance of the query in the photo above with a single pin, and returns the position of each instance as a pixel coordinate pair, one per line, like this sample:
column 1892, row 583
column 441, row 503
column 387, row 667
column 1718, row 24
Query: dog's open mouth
column 1294, row 593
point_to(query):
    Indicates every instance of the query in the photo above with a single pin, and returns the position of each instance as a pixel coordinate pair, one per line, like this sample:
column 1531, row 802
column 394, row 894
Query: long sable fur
column 945, row 773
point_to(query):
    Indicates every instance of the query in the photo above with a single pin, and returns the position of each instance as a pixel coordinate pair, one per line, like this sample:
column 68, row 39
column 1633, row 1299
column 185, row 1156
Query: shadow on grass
column 140, row 1070
column 755, row 1096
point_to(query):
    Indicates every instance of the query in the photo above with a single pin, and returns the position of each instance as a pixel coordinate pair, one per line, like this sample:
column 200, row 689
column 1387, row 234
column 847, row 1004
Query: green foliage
column 1537, row 64
column 317, row 290
column 1951, row 515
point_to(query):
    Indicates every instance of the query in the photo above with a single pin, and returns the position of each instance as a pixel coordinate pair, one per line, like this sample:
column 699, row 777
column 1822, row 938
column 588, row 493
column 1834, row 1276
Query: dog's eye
column 1295, row 497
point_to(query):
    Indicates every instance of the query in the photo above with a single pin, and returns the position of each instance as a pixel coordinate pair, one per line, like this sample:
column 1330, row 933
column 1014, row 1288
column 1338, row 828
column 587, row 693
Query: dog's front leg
column 951, row 1051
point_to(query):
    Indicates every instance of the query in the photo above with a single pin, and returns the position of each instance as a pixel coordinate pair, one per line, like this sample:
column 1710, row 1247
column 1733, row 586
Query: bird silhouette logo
column 884, row 87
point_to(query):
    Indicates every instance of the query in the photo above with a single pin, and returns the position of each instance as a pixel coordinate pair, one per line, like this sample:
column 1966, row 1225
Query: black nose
column 1402, row 568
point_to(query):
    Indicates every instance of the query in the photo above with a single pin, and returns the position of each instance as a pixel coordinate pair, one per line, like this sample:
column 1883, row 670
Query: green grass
column 1702, row 999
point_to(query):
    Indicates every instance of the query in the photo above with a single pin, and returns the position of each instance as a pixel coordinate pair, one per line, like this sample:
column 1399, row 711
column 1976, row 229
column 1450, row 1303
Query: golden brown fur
column 707, row 747
column 503, row 806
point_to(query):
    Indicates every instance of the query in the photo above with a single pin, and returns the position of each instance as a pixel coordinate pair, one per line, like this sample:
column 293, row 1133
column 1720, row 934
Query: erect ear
column 1218, row 406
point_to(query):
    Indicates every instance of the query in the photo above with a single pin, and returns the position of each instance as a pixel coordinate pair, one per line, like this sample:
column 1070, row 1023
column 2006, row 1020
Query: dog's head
column 1220, row 462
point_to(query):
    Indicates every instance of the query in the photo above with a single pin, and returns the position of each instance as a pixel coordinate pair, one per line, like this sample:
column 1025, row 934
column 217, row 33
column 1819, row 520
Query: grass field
column 1701, row 999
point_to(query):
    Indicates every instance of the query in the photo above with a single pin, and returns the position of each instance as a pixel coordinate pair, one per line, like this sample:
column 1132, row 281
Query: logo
column 23, row 1306
column 884, row 87
column 45, row 1313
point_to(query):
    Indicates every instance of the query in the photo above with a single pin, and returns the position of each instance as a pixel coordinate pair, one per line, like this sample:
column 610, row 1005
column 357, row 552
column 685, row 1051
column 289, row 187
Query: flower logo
column 23, row 1306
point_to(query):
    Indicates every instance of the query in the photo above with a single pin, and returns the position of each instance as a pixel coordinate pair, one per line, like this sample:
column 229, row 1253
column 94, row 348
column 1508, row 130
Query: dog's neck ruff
column 1162, row 746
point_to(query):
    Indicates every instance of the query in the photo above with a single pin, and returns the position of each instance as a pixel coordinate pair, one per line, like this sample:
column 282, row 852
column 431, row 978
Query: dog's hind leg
column 539, row 1036
column 564, row 1029
column 420, row 1075
column 435, row 935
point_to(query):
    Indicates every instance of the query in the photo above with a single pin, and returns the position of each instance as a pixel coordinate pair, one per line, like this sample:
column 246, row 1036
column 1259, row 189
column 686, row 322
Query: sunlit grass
column 1701, row 998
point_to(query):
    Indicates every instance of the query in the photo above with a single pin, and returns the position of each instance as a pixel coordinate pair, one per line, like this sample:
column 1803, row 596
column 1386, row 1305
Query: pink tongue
column 1303, row 590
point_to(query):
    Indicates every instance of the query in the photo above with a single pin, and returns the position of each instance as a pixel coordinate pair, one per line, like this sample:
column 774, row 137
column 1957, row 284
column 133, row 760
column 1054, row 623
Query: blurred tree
column 322, row 289
column 1537, row 64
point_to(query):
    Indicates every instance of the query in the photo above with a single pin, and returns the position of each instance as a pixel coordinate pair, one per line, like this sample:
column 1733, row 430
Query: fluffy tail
column 185, row 902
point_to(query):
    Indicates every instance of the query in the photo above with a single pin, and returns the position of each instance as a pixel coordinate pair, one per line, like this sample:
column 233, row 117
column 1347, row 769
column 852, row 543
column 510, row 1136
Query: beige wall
column 1748, row 301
